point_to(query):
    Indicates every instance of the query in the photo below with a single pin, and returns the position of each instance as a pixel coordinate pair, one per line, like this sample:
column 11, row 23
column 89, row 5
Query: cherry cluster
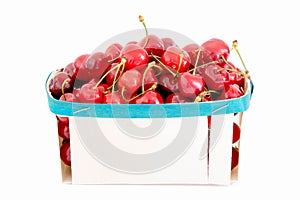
column 152, row 70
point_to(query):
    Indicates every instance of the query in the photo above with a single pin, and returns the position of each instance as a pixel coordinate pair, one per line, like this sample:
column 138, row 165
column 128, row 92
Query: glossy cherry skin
column 193, row 51
column 132, row 42
column 168, row 82
column 113, row 51
column 154, row 45
column 234, row 158
column 191, row 85
column 135, row 56
column 232, row 91
column 214, row 49
column 215, row 77
column 76, row 94
column 80, row 60
column 65, row 152
column 102, row 87
column 234, row 76
column 171, row 58
column 113, row 98
column 150, row 79
column 70, row 97
column 71, row 71
column 111, row 75
column 63, row 129
column 94, row 67
column 62, row 119
column 56, row 82
column 236, row 133
column 130, row 82
column 89, row 94
column 177, row 98
column 149, row 97
column 168, row 42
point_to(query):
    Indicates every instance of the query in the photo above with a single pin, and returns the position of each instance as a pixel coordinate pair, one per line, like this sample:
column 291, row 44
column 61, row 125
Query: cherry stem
column 123, row 61
column 116, row 79
column 114, row 59
column 145, row 73
column 63, row 87
column 200, row 97
column 197, row 60
column 153, row 87
column 180, row 61
column 116, row 74
column 204, row 65
column 235, row 47
column 146, row 30
column 232, row 70
column 227, row 63
column 160, row 70
column 156, row 58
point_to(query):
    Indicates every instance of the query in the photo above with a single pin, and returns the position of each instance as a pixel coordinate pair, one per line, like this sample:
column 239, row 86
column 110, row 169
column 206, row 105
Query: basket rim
column 192, row 109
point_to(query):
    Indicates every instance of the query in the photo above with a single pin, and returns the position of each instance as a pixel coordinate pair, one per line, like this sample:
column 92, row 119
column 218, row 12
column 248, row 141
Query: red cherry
column 89, row 94
column 111, row 75
column 193, row 51
column 70, row 97
column 149, row 97
column 63, row 129
column 103, row 87
column 113, row 98
column 191, row 85
column 131, row 42
column 150, row 79
column 232, row 91
column 56, row 83
column 129, row 82
column 234, row 158
column 113, row 51
column 154, row 45
column 65, row 153
column 214, row 50
column 176, row 58
column 168, row 83
column 235, row 76
column 135, row 56
column 76, row 94
column 177, row 98
column 236, row 133
column 168, row 42
column 94, row 67
column 80, row 60
column 71, row 71
column 215, row 77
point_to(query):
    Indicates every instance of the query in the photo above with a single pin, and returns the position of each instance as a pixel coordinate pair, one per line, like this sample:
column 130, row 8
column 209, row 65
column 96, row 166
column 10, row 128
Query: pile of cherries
column 152, row 70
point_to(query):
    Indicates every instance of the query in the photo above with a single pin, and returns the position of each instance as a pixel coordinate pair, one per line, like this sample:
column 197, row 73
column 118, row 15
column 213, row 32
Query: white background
column 37, row 37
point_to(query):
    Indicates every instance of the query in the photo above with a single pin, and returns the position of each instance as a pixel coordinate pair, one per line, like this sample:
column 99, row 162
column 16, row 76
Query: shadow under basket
column 188, row 143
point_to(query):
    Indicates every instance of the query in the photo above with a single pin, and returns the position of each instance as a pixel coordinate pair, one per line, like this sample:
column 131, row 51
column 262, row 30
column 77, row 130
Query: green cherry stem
column 180, row 61
column 235, row 47
column 123, row 61
column 63, row 87
column 197, row 59
column 204, row 65
column 146, row 30
column 200, row 97
column 232, row 70
column 115, row 77
column 156, row 58
column 153, row 87
column 227, row 63
column 152, row 64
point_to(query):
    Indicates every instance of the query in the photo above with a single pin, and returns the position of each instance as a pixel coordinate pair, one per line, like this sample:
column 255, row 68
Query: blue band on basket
column 236, row 105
